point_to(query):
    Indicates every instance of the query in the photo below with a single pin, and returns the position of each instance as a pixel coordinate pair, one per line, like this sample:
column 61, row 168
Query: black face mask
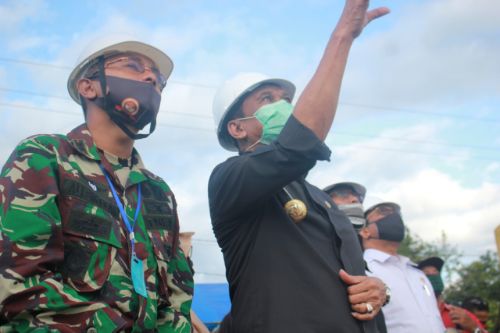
column 129, row 102
column 391, row 228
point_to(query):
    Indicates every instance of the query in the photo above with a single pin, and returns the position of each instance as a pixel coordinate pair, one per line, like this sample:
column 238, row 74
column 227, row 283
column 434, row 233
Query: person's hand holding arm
column 364, row 290
column 459, row 316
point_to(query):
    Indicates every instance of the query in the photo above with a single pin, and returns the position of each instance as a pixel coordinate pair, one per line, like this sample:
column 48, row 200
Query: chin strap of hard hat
column 112, row 113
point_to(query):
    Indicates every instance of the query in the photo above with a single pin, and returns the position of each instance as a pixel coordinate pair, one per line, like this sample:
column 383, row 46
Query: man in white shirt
column 413, row 307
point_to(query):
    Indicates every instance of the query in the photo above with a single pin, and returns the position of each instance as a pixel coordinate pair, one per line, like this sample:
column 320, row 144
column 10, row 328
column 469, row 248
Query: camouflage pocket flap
column 94, row 227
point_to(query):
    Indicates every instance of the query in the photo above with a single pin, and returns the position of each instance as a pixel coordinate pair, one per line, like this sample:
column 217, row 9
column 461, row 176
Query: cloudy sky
column 418, row 121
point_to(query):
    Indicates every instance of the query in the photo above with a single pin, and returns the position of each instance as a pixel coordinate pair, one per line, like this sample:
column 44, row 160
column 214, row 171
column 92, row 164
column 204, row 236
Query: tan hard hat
column 111, row 44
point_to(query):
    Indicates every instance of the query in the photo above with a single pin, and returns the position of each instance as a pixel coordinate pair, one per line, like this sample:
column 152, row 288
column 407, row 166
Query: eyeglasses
column 134, row 64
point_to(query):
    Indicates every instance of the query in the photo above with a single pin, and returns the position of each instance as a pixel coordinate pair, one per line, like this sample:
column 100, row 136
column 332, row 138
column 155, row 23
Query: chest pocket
column 91, row 234
column 160, row 219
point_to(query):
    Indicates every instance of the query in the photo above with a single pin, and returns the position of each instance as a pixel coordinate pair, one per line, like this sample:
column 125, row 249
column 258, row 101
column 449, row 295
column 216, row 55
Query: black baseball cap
column 432, row 261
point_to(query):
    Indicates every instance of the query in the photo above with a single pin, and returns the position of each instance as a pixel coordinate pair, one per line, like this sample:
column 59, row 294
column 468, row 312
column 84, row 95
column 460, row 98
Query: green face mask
column 273, row 118
column 437, row 283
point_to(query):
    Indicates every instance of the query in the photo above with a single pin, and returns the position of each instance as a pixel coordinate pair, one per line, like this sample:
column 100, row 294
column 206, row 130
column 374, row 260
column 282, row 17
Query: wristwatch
column 478, row 330
column 388, row 295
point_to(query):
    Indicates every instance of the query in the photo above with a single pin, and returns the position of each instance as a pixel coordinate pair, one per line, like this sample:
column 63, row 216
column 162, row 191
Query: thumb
column 376, row 13
column 347, row 278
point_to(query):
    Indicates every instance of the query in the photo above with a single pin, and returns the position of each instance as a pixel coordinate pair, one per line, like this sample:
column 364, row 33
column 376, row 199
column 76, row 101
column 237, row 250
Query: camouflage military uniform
column 64, row 251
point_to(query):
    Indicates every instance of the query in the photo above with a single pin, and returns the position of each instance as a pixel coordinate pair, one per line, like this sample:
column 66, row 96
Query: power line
column 69, row 68
column 425, row 153
column 24, row 92
column 419, row 112
column 391, row 109
column 35, row 63
column 360, row 105
column 162, row 124
column 415, row 141
column 31, row 93
column 18, row 106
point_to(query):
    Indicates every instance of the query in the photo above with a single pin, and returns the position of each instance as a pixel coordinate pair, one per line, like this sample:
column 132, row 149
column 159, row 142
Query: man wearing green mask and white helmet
column 293, row 260
column 89, row 238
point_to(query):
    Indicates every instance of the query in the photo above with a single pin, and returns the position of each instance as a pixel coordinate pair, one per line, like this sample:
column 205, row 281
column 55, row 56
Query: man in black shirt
column 293, row 261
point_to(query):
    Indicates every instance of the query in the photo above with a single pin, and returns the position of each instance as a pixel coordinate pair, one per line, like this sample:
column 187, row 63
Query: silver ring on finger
column 369, row 308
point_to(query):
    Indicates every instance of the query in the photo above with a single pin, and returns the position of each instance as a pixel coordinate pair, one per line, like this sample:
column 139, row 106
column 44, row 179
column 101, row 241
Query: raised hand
column 356, row 16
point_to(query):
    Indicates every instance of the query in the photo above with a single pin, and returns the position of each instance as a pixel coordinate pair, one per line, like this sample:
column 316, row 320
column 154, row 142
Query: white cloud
column 29, row 118
column 14, row 15
column 433, row 202
column 376, row 160
column 492, row 170
column 437, row 51
column 14, row 12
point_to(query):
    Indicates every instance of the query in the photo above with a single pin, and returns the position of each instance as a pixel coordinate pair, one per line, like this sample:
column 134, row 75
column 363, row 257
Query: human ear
column 364, row 233
column 235, row 129
column 87, row 88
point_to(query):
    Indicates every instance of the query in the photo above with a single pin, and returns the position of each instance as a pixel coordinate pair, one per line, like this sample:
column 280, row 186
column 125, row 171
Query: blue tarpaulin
column 211, row 302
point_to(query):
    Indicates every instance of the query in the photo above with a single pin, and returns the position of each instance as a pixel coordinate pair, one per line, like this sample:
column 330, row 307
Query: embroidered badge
column 92, row 186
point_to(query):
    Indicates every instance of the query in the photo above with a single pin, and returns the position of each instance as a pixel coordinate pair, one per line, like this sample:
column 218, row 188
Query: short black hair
column 472, row 303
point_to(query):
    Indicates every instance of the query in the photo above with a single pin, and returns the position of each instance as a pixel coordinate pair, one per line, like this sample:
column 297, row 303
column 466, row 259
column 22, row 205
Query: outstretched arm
column 317, row 105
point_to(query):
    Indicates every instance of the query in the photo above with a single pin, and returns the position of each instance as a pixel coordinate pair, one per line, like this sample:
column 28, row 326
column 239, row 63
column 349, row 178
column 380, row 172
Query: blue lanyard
column 130, row 227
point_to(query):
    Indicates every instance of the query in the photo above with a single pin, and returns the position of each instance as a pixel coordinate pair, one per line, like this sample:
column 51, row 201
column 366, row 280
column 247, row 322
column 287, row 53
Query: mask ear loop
column 252, row 145
column 256, row 142
column 108, row 108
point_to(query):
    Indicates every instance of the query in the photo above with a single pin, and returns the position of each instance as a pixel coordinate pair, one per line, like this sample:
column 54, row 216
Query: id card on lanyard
column 136, row 265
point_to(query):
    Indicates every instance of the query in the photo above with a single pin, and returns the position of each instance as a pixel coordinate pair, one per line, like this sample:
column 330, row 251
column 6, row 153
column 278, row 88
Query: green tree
column 417, row 250
column 479, row 278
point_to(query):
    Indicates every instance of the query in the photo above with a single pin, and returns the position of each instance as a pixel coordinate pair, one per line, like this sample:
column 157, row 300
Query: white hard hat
column 230, row 93
column 110, row 44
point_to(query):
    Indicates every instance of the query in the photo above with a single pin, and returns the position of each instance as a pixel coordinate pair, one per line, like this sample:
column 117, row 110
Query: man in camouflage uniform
column 69, row 262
